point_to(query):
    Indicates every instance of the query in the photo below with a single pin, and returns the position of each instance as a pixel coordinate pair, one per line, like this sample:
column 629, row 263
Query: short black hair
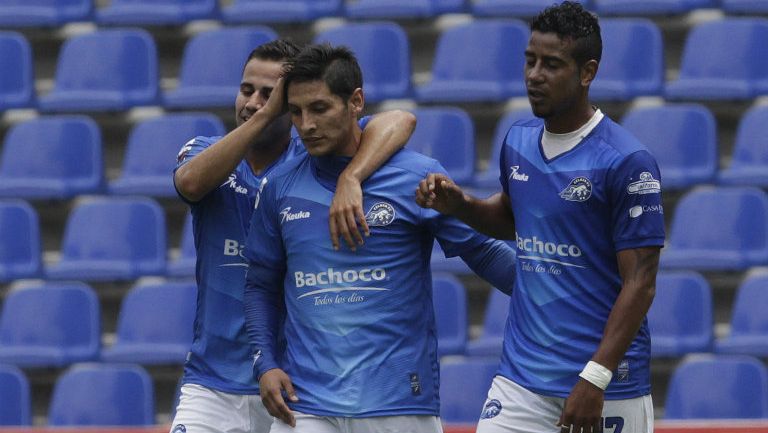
column 571, row 21
column 279, row 50
column 336, row 66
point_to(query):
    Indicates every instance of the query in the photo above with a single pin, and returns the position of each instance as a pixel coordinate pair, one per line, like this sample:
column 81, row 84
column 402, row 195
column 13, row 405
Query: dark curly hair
column 569, row 20
column 279, row 50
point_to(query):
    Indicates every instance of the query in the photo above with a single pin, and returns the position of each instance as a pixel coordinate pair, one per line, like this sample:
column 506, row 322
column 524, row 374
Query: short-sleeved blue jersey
column 573, row 213
column 359, row 329
column 220, row 357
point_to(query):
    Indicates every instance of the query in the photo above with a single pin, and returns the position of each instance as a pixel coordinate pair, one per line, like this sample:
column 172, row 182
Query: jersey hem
column 369, row 414
column 609, row 395
column 220, row 388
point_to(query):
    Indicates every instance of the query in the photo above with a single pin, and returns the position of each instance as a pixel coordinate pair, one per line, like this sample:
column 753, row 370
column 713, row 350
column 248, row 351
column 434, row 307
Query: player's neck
column 571, row 120
column 261, row 157
column 353, row 144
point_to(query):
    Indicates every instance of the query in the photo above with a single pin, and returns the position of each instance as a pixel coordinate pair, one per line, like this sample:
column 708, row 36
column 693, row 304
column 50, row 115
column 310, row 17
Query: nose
column 255, row 102
column 306, row 124
column 533, row 73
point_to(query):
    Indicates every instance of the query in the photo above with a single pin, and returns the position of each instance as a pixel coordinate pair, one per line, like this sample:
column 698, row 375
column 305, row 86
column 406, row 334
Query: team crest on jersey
column 381, row 214
column 491, row 409
column 646, row 185
column 580, row 189
column 179, row 428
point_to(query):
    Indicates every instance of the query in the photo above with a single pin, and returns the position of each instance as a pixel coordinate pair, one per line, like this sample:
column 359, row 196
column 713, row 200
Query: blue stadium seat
column 489, row 178
column 680, row 318
column 446, row 134
column 481, row 61
column 184, row 265
column 151, row 152
column 50, row 325
column 44, row 13
column 54, row 157
column 402, row 9
column 491, row 341
column 723, row 59
column 449, row 298
column 103, row 395
column 20, row 255
column 682, row 137
column 156, row 12
column 718, row 386
column 633, row 60
column 212, row 66
column 107, row 70
column 17, row 79
column 464, row 385
column 749, row 165
column 280, row 11
column 15, row 403
column 749, row 323
column 749, row 7
column 112, row 239
column 719, row 229
column 383, row 53
column 649, row 7
column 516, row 8
column 155, row 324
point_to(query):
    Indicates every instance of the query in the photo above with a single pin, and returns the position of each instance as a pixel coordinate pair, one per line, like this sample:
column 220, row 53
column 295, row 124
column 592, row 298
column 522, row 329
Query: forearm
column 491, row 216
column 494, row 261
column 384, row 135
column 212, row 166
column 263, row 311
column 638, row 268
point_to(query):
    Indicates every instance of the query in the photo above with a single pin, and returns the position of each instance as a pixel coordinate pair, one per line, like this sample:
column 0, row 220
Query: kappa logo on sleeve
column 182, row 155
column 646, row 185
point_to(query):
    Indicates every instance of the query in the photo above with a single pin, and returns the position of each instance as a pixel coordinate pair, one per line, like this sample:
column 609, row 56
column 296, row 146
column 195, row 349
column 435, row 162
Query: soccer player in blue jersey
column 219, row 177
column 361, row 349
column 582, row 199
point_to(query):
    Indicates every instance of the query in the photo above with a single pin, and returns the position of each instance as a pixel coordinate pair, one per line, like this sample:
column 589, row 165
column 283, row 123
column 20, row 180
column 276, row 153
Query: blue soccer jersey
column 359, row 330
column 220, row 357
column 573, row 213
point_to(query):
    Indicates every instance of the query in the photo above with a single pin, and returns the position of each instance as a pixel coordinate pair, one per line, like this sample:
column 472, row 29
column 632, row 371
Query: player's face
column 552, row 76
column 324, row 121
column 259, row 78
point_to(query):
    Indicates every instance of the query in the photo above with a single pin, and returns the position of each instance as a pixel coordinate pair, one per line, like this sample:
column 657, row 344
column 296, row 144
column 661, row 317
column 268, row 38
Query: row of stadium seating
column 479, row 61
column 90, row 394
column 60, row 157
column 124, row 238
column 17, row 13
column 155, row 322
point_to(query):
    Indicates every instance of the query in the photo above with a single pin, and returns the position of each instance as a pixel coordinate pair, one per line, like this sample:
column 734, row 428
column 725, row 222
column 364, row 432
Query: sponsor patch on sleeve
column 645, row 185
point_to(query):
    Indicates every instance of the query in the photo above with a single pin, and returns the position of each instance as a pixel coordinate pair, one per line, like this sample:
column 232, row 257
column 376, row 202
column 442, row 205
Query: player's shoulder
column 618, row 138
column 528, row 122
column 286, row 170
column 202, row 140
column 412, row 162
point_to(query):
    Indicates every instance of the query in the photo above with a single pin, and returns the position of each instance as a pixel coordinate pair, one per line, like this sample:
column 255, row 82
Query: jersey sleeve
column 263, row 299
column 503, row 175
column 188, row 151
column 637, row 212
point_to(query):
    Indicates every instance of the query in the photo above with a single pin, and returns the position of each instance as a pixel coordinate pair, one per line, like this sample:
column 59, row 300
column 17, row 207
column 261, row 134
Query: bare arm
column 212, row 166
column 383, row 136
column 491, row 216
column 638, row 268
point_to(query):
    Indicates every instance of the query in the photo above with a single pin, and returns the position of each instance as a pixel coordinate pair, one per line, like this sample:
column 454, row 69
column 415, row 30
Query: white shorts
column 510, row 408
column 306, row 423
column 204, row 410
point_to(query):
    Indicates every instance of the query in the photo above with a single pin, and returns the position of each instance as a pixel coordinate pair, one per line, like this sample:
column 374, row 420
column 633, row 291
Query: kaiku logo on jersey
column 381, row 214
column 232, row 184
column 287, row 215
column 646, row 185
column 491, row 409
column 580, row 189
column 516, row 175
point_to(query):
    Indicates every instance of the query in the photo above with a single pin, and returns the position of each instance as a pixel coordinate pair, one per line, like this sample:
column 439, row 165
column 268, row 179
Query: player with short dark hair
column 361, row 350
column 582, row 199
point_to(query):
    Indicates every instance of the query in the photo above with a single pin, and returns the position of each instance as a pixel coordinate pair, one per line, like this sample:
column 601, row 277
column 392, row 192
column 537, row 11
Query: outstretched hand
column 346, row 213
column 271, row 387
column 437, row 191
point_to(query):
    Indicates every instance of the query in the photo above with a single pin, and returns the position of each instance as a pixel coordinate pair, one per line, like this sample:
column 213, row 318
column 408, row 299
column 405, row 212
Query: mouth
column 536, row 95
column 311, row 140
